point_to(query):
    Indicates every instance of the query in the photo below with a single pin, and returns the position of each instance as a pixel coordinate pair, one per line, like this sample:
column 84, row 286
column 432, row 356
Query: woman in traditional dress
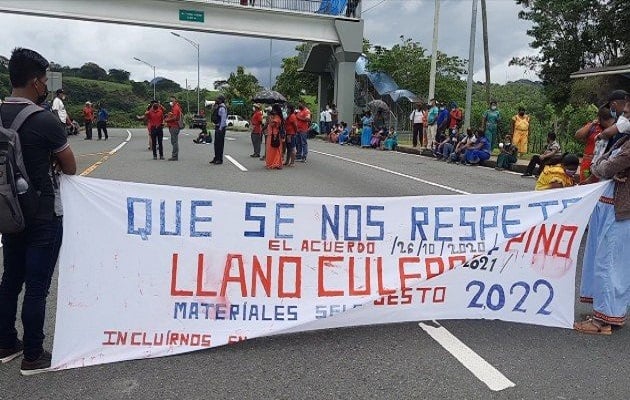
column 366, row 133
column 605, row 272
column 273, row 153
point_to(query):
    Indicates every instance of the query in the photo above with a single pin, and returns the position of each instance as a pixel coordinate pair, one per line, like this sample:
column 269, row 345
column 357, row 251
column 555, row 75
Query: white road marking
column 452, row 189
column 231, row 139
column 233, row 161
column 97, row 164
column 485, row 372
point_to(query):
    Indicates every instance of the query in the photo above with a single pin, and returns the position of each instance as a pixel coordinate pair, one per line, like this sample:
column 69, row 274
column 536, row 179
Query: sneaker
column 37, row 366
column 161, row 157
column 172, row 159
column 7, row 355
column 155, row 157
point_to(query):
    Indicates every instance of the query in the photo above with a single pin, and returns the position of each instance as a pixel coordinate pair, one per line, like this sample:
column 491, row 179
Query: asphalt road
column 397, row 361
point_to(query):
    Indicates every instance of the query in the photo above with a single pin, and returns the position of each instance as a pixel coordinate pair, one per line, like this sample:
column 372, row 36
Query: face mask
column 41, row 97
column 170, row 104
column 493, row 108
column 570, row 172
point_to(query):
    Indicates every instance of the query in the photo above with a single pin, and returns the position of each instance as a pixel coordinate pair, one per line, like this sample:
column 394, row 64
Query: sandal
column 592, row 327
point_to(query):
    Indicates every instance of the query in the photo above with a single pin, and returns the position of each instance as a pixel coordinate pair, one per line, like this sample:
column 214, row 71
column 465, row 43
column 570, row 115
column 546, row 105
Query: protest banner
column 149, row 270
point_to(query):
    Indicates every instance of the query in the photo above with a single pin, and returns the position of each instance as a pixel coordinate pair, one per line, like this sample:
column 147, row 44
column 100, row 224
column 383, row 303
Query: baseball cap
column 87, row 102
column 617, row 95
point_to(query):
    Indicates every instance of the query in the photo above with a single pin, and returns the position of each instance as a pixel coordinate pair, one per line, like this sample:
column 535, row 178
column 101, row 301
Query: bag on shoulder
column 216, row 118
column 275, row 140
column 180, row 123
column 18, row 198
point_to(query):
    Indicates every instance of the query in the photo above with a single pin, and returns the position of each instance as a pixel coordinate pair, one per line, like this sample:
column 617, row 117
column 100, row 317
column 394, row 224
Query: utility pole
column 486, row 51
column 471, row 64
column 152, row 66
column 187, row 103
column 196, row 46
column 270, row 47
column 434, row 50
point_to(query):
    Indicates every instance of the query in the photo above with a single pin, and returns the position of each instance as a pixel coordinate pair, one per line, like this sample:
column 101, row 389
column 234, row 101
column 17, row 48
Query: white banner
column 149, row 271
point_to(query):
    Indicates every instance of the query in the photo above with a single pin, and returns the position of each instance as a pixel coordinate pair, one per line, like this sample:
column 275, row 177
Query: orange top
column 291, row 124
column 257, row 121
column 88, row 113
column 303, row 120
column 155, row 118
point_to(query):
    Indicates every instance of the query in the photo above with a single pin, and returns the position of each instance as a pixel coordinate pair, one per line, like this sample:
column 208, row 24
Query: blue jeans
column 29, row 260
column 302, row 138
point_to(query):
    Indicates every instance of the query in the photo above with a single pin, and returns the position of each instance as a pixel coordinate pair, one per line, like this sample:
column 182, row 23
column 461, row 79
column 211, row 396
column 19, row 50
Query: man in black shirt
column 30, row 256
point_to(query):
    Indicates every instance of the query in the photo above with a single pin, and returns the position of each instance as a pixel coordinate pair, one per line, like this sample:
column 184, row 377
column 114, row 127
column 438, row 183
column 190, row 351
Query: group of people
column 155, row 117
column 100, row 116
column 284, row 131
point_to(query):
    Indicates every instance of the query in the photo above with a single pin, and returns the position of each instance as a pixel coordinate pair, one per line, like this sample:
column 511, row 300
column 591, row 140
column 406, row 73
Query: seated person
column 560, row 175
column 313, row 131
column 507, row 155
column 344, row 135
column 391, row 142
column 465, row 142
column 204, row 137
column 375, row 141
column 480, row 151
column 550, row 156
column 333, row 136
column 383, row 133
column 355, row 135
column 446, row 146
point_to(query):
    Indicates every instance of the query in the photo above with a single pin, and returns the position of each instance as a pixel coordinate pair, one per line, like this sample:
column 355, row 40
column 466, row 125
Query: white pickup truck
column 236, row 121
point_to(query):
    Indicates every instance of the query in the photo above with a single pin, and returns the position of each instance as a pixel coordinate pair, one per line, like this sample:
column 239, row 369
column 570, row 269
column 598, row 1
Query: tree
column 240, row 85
column 572, row 35
column 118, row 75
column 409, row 66
column 292, row 83
column 93, row 71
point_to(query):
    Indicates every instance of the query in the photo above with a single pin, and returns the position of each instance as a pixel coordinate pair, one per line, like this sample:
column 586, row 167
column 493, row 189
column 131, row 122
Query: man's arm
column 607, row 167
column 66, row 161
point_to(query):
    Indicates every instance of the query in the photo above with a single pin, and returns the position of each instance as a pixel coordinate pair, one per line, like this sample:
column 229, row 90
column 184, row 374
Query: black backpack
column 17, row 195
column 216, row 118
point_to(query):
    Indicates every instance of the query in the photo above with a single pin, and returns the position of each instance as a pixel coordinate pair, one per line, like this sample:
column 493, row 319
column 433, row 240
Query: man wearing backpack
column 175, row 122
column 219, row 119
column 30, row 255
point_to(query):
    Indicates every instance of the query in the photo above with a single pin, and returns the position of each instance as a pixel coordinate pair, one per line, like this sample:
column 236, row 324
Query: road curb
column 491, row 163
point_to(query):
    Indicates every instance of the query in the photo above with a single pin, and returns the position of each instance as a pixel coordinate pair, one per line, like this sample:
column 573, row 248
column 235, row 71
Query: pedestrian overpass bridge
column 296, row 20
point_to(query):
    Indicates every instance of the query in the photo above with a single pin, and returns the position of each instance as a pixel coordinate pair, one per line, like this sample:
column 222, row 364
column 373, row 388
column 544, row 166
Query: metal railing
column 302, row 6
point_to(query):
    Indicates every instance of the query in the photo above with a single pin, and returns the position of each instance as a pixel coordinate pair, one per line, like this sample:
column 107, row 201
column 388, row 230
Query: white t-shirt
column 326, row 116
column 57, row 105
column 623, row 124
column 416, row 116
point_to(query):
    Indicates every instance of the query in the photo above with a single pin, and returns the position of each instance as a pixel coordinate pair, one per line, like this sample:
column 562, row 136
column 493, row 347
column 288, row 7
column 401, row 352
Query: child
column 560, row 175
column 391, row 142
column 344, row 136
column 507, row 157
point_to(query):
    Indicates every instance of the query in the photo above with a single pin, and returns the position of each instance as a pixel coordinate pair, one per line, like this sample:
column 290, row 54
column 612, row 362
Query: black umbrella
column 269, row 97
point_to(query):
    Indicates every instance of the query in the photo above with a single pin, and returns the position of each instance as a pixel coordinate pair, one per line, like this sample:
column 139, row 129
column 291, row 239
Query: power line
column 374, row 6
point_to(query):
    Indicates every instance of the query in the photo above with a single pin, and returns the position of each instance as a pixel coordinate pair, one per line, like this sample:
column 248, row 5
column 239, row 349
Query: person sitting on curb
column 480, row 151
column 550, row 156
column 391, row 141
column 344, row 136
column 560, row 175
column 507, row 156
column 464, row 144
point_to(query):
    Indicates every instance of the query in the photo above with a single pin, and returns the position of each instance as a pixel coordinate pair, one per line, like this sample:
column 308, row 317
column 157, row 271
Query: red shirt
column 176, row 113
column 456, row 116
column 88, row 113
column 303, row 120
column 154, row 118
column 291, row 124
column 256, row 121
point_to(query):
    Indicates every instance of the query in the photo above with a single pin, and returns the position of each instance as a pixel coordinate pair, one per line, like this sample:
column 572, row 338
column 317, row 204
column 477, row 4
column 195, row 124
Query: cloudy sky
column 114, row 46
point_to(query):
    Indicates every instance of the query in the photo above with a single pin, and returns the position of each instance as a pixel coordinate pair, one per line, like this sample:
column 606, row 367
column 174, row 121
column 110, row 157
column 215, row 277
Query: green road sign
column 238, row 102
column 191, row 16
